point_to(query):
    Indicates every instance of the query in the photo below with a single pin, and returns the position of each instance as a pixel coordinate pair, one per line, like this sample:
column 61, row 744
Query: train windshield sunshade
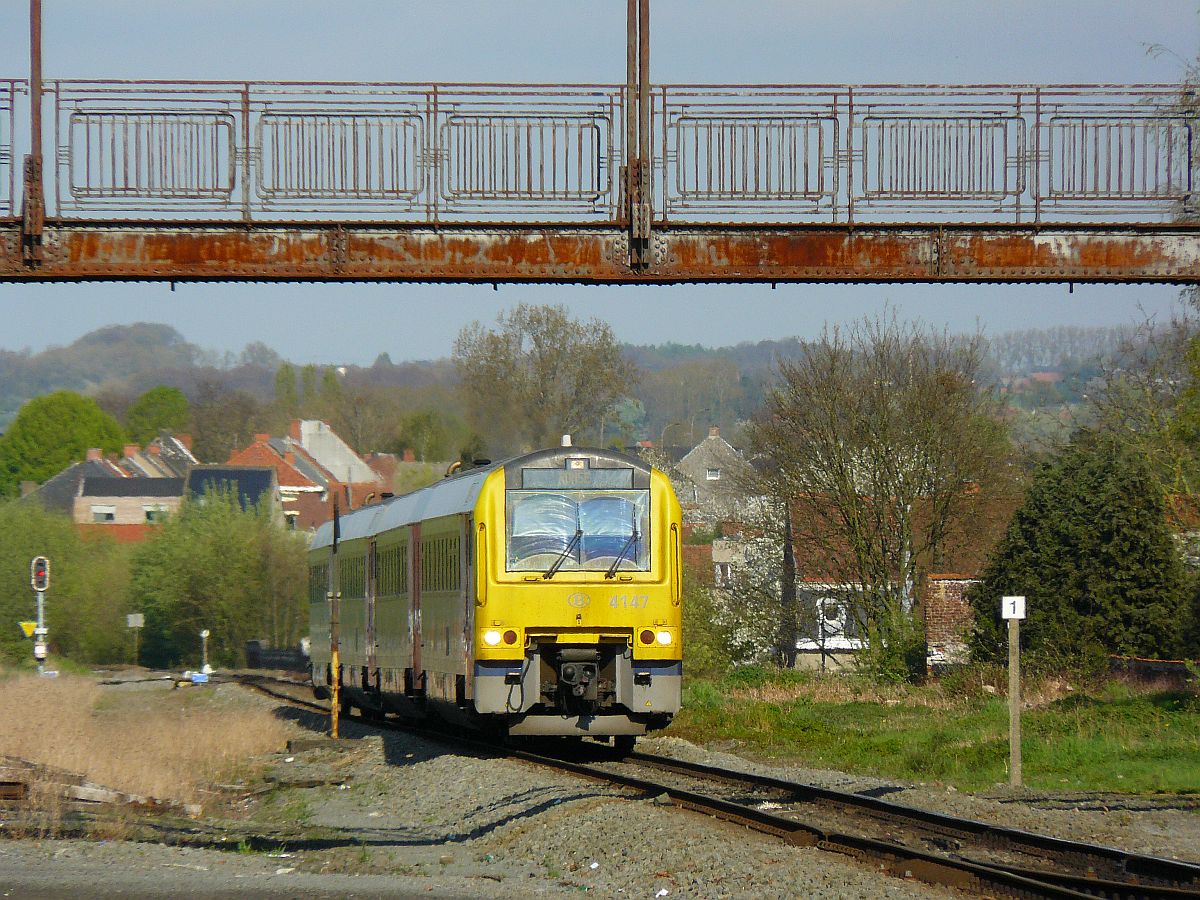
column 599, row 530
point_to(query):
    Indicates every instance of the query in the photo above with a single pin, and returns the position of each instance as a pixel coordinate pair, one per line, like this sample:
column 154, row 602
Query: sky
column 799, row 41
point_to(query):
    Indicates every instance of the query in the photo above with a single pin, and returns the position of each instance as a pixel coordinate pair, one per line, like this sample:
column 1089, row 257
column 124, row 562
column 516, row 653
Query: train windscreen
column 583, row 530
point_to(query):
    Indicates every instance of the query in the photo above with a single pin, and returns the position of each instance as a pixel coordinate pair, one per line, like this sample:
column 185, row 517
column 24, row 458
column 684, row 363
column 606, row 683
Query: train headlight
column 647, row 636
column 491, row 638
column 510, row 637
column 664, row 637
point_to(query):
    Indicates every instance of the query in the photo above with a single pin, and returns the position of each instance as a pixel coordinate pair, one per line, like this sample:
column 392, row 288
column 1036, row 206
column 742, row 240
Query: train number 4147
column 629, row 601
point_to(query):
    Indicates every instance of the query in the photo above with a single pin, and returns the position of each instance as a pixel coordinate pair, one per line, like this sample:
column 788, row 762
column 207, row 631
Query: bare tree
column 881, row 440
column 1149, row 395
column 539, row 375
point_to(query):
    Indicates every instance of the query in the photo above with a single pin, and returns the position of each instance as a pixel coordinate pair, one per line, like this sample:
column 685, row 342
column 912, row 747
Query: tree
column 50, row 433
column 363, row 416
column 539, row 375
column 879, row 440
column 308, row 387
column 694, row 393
column 755, row 601
column 426, row 433
column 330, row 391
column 219, row 567
column 259, row 355
column 161, row 408
column 1091, row 551
column 287, row 398
column 1149, row 396
column 706, row 650
column 223, row 420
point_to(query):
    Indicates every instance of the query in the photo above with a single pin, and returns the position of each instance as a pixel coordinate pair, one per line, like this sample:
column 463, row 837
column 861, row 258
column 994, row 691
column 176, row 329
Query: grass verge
column 146, row 740
column 1117, row 737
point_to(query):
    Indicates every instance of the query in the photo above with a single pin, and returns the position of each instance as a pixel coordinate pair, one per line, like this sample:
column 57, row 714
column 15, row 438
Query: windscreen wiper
column 562, row 557
column 612, row 570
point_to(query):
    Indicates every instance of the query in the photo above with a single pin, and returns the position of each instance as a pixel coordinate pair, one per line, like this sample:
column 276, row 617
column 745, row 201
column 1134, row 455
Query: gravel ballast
column 395, row 815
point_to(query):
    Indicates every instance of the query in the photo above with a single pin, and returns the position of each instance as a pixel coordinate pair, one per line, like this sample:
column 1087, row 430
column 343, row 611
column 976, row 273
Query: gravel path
column 394, row 815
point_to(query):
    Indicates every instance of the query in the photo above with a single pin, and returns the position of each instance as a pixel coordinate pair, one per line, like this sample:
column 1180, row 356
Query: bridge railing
column 533, row 153
column 9, row 91
column 368, row 152
column 1005, row 153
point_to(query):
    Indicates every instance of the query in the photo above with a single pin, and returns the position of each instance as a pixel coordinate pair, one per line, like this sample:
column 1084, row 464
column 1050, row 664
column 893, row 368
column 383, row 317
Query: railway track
column 986, row 859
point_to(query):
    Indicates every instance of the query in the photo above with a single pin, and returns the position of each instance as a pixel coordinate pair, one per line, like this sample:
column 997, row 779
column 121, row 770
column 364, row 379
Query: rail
column 919, row 843
column 433, row 153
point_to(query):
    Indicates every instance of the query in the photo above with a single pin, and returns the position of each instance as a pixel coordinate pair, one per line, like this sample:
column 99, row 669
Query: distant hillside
column 117, row 363
column 97, row 358
column 682, row 383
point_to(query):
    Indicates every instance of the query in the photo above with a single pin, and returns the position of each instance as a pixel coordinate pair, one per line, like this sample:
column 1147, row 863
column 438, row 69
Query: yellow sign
column 28, row 627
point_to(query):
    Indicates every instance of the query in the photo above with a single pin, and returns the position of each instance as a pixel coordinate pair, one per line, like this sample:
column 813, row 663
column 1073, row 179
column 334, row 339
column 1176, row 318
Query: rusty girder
column 570, row 253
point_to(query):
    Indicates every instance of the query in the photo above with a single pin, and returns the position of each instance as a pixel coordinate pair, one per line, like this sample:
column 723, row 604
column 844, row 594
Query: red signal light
column 39, row 573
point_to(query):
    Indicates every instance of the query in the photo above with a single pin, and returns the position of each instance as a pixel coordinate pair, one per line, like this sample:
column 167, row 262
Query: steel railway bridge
column 620, row 183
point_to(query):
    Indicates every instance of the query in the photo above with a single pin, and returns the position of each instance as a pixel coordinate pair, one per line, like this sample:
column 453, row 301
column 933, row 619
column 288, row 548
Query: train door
column 372, row 670
column 414, row 610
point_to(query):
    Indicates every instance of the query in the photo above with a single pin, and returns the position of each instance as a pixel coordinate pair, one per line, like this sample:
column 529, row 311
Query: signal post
column 1012, row 609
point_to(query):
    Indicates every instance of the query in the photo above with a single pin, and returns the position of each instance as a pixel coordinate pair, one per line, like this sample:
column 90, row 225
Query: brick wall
column 947, row 619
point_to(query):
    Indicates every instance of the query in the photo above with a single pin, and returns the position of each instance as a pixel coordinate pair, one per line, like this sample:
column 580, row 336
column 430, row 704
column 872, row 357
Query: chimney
column 186, row 440
column 294, row 431
column 94, row 453
column 261, row 438
column 409, row 455
column 289, row 457
column 131, row 450
column 154, row 450
column 714, row 431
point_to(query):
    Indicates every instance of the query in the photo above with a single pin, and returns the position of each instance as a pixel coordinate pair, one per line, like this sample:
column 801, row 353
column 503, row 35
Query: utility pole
column 334, row 595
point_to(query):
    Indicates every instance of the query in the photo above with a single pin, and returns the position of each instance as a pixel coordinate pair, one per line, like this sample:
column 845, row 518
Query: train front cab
column 578, row 627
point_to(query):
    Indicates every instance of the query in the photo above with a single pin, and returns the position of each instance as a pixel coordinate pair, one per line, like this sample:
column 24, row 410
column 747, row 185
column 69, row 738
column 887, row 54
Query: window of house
column 713, row 474
column 155, row 515
column 102, row 514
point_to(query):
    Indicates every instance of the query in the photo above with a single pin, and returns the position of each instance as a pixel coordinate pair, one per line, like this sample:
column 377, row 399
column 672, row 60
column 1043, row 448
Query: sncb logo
column 578, row 601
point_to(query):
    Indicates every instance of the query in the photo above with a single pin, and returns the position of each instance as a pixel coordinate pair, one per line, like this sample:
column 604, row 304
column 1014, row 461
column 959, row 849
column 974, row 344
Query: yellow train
column 537, row 596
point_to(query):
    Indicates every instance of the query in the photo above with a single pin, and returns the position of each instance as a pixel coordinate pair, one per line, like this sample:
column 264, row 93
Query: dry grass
column 154, row 742
column 842, row 688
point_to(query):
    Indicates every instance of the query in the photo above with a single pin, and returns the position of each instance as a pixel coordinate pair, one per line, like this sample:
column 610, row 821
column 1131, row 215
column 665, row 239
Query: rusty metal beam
column 122, row 251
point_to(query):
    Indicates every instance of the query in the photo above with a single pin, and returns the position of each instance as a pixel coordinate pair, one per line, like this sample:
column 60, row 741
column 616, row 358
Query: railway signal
column 39, row 573
column 39, row 578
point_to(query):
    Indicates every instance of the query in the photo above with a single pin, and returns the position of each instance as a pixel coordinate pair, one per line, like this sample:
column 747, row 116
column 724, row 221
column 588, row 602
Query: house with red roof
column 314, row 467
